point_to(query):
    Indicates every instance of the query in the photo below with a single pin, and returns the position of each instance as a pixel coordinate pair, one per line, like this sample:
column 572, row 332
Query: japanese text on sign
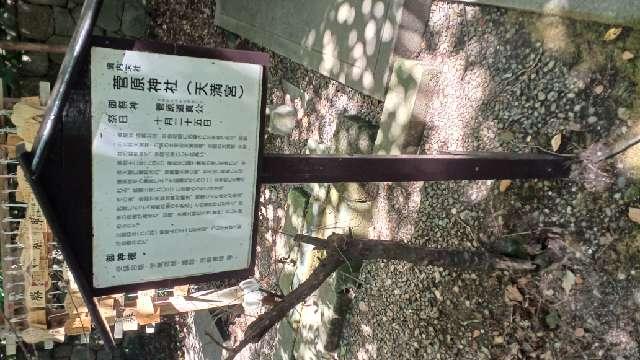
column 175, row 144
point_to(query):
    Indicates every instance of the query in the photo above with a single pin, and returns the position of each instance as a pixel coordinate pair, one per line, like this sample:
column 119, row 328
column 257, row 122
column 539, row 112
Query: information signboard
column 175, row 148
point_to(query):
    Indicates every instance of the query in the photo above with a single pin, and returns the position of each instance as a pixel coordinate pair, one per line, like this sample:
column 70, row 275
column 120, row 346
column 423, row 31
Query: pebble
column 627, row 55
column 636, row 296
column 282, row 120
column 592, row 120
column 624, row 114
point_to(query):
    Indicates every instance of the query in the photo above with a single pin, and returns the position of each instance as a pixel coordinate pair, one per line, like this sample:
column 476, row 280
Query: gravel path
column 509, row 81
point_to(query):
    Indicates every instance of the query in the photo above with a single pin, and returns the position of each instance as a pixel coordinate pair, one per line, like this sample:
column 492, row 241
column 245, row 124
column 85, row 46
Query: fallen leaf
column 556, row 141
column 476, row 333
column 504, row 185
column 497, row 340
column 568, row 281
column 612, row 34
column 634, row 214
column 598, row 89
column 579, row 332
column 512, row 293
column 627, row 55
column 546, row 356
column 579, row 280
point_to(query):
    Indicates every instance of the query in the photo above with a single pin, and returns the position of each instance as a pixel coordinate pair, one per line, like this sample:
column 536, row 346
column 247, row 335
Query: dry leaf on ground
column 504, row 185
column 512, row 293
column 556, row 141
column 612, row 34
column 634, row 214
column 627, row 55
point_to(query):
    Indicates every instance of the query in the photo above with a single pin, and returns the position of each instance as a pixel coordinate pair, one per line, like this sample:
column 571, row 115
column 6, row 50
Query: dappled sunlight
column 478, row 191
column 349, row 42
column 629, row 163
column 622, row 341
column 454, row 108
column 396, row 211
column 192, row 343
column 555, row 36
column 368, row 352
column 456, row 91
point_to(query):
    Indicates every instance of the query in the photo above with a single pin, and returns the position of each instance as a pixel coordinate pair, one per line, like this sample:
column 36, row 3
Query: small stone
column 498, row 340
column 282, row 120
column 624, row 113
column 34, row 21
column 363, row 307
column 552, row 96
column 476, row 333
column 579, row 332
column 592, row 120
column 599, row 89
column 64, row 23
column 627, row 55
column 541, row 96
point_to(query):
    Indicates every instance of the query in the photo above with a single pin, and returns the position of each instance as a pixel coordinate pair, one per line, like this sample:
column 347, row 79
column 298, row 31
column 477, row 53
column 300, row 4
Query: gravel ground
column 507, row 81
column 510, row 81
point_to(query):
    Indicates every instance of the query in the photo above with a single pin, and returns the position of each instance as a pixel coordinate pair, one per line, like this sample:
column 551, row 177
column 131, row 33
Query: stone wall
column 53, row 22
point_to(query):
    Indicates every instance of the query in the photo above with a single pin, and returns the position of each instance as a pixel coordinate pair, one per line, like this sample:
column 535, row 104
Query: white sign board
column 174, row 157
